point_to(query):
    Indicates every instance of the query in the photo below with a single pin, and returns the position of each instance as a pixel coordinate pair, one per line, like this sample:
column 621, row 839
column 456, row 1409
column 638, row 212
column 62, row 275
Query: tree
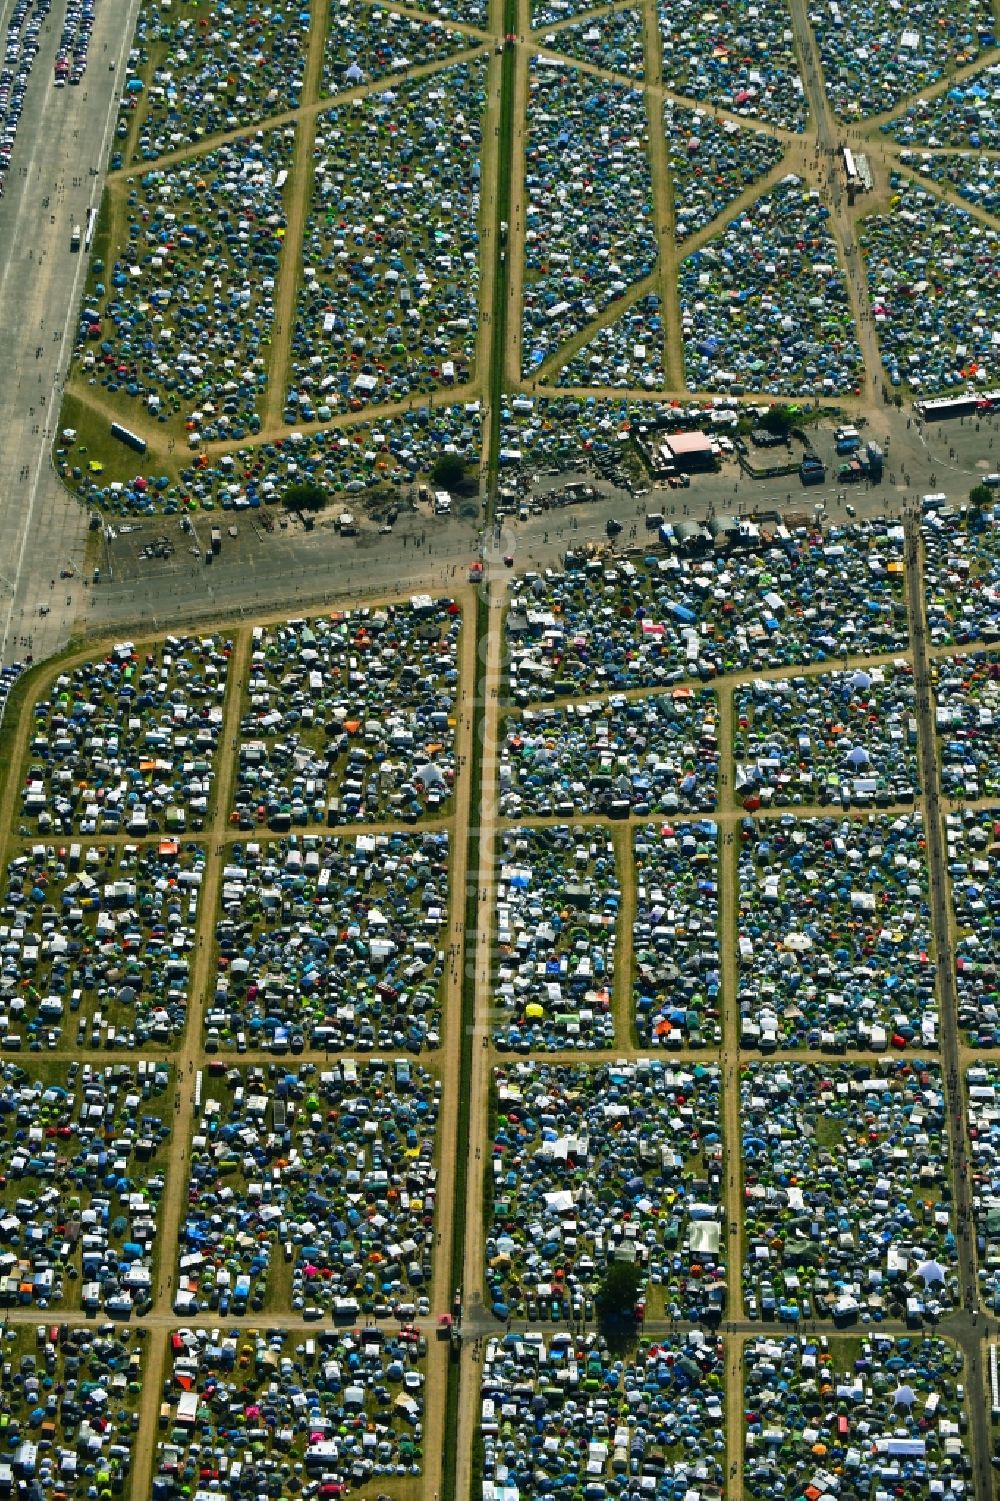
column 778, row 420
column 450, row 472
column 617, row 1294
column 304, row 497
column 980, row 496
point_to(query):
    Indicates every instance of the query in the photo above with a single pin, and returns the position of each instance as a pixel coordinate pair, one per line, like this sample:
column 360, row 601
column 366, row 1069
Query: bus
column 88, row 234
column 967, row 404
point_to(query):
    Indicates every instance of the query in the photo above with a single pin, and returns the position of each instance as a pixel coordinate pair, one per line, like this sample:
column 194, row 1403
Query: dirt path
column 279, row 431
column 690, row 1056
column 674, row 254
column 489, row 230
column 146, row 1438
column 190, row 1054
column 744, row 200
column 726, row 816
column 449, row 1058
column 967, row 1052
column 233, row 835
column 549, row 369
column 661, row 94
column 849, row 405
column 871, row 126
column 942, row 190
column 187, row 1060
column 728, row 855
column 728, row 680
column 951, row 1051
column 734, row 1418
column 918, row 148
column 297, row 203
column 664, row 219
column 517, row 225
column 301, row 111
column 622, row 982
column 96, row 400
column 826, row 133
column 301, row 180
column 478, row 1084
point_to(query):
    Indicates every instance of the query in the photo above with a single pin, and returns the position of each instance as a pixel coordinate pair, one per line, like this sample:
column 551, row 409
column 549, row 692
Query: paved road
column 62, row 142
column 965, row 1326
column 291, row 567
column 286, row 571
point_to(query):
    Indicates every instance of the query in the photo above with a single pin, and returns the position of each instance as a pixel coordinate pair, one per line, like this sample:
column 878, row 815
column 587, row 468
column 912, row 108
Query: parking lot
column 860, row 1150
column 590, row 1165
column 286, row 1408
column 71, row 1405
column 162, row 548
column 292, row 962
column 127, row 742
column 350, row 718
column 85, row 1154
column 310, row 1189
column 97, row 944
column 242, row 870
column 331, row 942
column 877, row 1410
column 835, row 943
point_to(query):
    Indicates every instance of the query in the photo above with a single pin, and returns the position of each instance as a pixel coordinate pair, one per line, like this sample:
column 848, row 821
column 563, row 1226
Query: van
column 992, row 480
column 933, row 502
column 654, row 520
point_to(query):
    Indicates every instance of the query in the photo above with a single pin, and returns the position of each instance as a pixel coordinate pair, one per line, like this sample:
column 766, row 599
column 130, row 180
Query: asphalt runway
column 61, row 149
